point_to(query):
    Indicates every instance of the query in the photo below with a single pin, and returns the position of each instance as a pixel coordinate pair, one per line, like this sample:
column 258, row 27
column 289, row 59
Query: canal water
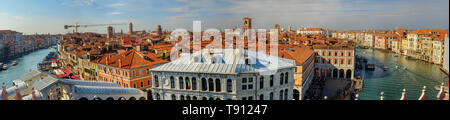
column 26, row 63
column 392, row 81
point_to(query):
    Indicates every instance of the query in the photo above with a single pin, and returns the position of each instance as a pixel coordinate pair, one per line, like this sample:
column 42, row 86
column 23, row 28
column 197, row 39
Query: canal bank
column 393, row 80
column 26, row 62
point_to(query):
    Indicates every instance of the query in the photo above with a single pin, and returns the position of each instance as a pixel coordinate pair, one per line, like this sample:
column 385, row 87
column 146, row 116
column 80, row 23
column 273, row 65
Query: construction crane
column 85, row 26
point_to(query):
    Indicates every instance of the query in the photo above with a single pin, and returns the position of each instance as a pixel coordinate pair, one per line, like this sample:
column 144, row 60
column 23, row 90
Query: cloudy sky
column 49, row 16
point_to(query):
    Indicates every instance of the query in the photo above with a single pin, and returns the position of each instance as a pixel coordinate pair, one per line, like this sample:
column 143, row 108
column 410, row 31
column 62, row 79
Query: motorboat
column 15, row 63
column 395, row 55
column 370, row 66
column 5, row 66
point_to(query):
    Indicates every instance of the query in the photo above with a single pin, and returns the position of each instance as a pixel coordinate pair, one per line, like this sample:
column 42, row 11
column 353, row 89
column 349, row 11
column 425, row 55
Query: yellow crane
column 76, row 26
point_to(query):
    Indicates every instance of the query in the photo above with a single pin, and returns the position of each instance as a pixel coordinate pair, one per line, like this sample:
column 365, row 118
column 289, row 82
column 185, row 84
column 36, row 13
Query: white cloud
column 116, row 5
column 115, row 13
column 79, row 3
column 18, row 17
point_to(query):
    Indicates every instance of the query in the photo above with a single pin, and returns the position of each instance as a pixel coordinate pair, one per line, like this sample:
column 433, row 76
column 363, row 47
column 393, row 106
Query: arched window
column 158, row 97
column 204, row 98
column 181, row 82
column 229, row 85
column 182, row 97
column 271, row 81
column 194, row 83
column 174, row 97
column 261, row 97
column 188, row 83
column 188, row 97
column 261, row 82
column 194, row 98
column 156, row 81
column 172, row 82
column 218, row 88
column 211, row 98
column 281, row 95
column 281, row 78
column 204, row 84
column 286, row 77
column 211, row 84
column 286, row 94
column 271, row 96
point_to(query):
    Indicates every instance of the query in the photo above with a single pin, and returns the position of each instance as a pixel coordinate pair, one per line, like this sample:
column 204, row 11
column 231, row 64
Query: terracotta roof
column 130, row 59
column 298, row 53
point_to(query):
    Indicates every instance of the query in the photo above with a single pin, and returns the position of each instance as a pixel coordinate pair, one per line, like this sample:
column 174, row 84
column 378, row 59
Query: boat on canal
column 396, row 55
column 15, row 63
column 410, row 58
column 5, row 67
column 385, row 68
column 370, row 66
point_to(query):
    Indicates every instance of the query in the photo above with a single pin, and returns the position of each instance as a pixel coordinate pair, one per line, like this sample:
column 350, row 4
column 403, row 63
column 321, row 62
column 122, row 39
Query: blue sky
column 49, row 16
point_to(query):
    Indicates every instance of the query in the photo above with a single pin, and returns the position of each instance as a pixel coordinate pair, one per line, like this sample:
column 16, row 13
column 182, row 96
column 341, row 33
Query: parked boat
column 395, row 55
column 410, row 58
column 5, row 66
column 15, row 63
column 385, row 68
column 370, row 66
column 1, row 64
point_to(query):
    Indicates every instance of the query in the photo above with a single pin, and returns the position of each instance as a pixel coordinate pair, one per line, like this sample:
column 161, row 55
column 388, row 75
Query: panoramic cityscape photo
column 291, row 50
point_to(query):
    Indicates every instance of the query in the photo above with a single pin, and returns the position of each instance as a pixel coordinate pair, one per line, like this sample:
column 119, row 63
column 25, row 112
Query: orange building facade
column 130, row 69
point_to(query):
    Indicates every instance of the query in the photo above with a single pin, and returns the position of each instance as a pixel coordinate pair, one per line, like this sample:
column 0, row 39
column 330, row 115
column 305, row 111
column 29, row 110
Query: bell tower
column 247, row 23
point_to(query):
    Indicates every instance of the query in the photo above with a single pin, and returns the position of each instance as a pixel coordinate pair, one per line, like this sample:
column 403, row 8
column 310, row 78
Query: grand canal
column 26, row 63
column 393, row 80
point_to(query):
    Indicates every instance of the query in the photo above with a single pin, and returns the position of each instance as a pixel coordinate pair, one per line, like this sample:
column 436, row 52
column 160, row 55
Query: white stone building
column 224, row 74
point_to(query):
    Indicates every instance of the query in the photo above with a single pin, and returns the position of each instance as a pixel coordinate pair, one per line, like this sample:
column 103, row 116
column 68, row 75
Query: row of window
column 187, row 97
column 248, row 85
column 323, row 53
column 191, row 84
column 283, row 96
column 141, row 85
column 122, row 72
column 333, row 61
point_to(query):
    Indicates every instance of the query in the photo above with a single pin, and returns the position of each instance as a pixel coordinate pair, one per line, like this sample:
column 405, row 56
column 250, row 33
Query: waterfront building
column 445, row 64
column 380, row 41
column 13, row 42
column 335, row 61
column 404, row 46
column 438, row 51
column 303, row 76
column 224, row 74
column 130, row 69
column 369, row 39
column 396, row 46
column 416, row 38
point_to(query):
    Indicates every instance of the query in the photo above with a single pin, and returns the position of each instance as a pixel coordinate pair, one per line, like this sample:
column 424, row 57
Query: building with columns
column 335, row 61
column 224, row 74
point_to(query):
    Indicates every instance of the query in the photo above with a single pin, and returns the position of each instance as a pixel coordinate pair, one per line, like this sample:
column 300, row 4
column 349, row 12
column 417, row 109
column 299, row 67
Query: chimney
column 120, row 63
